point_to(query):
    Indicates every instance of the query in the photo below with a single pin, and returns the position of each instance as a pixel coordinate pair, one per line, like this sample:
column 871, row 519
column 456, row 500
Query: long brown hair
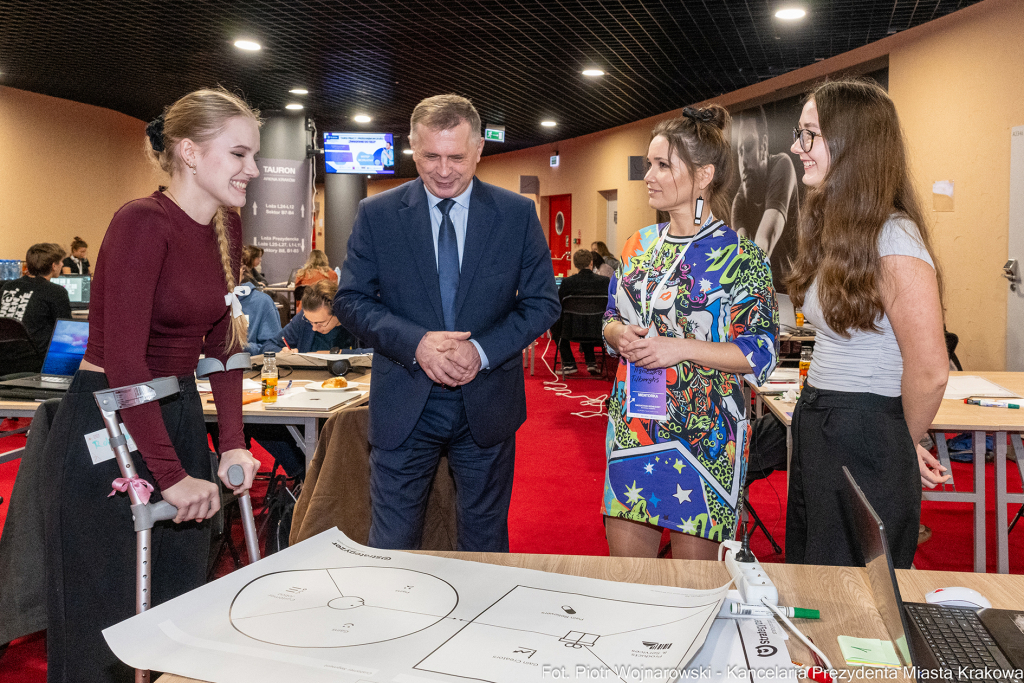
column 200, row 116
column 867, row 181
column 698, row 139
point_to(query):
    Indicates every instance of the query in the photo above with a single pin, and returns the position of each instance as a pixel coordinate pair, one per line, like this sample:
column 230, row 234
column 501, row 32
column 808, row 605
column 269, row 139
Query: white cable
column 795, row 630
column 562, row 389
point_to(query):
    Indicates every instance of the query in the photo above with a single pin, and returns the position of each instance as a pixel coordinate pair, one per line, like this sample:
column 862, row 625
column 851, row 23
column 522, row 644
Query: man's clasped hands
column 448, row 357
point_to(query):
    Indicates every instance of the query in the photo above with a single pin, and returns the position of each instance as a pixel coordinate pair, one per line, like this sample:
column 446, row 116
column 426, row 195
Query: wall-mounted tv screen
column 367, row 153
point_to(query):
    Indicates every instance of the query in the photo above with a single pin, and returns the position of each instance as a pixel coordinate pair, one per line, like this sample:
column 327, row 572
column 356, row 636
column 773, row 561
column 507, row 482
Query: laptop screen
column 67, row 347
column 878, row 562
column 77, row 285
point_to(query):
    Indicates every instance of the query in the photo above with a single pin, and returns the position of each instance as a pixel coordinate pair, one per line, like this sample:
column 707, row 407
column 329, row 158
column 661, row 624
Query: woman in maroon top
column 159, row 300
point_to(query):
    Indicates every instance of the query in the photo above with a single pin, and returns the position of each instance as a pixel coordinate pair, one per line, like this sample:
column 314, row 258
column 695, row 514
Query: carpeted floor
column 558, row 486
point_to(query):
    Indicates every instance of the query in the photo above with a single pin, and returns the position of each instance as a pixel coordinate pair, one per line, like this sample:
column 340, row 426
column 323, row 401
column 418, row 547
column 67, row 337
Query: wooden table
column 956, row 416
column 840, row 593
column 252, row 413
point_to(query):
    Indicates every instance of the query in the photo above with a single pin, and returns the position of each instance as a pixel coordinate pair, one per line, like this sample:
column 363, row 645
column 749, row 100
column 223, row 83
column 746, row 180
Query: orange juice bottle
column 269, row 377
column 805, row 363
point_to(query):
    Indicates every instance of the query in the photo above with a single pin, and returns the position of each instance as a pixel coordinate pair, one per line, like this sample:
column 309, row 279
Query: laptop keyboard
column 51, row 379
column 956, row 636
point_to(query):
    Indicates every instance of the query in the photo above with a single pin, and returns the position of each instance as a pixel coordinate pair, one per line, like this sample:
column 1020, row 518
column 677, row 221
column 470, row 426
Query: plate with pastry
column 332, row 384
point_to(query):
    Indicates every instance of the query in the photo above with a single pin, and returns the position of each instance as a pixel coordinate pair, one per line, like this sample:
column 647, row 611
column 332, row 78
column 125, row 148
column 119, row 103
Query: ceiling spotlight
column 361, row 118
column 790, row 13
column 299, row 91
column 250, row 45
column 293, row 105
column 406, row 151
column 593, row 73
column 548, row 124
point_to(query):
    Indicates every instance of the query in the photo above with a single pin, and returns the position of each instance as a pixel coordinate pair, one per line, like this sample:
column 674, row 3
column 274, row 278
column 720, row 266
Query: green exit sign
column 494, row 133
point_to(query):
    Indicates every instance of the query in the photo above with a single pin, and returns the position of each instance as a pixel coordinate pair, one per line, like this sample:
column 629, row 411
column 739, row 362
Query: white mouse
column 957, row 596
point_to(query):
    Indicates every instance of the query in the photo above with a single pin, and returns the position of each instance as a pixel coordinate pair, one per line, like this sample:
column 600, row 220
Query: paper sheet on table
column 203, row 385
column 966, row 386
column 329, row 609
column 779, row 387
column 784, row 374
column 358, row 360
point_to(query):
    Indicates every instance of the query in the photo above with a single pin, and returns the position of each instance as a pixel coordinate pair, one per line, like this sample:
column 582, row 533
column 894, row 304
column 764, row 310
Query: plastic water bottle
column 269, row 377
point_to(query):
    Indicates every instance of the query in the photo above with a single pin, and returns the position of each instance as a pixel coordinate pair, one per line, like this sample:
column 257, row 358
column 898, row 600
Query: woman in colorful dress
column 691, row 309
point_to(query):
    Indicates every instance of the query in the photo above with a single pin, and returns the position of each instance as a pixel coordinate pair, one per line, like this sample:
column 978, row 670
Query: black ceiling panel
column 519, row 60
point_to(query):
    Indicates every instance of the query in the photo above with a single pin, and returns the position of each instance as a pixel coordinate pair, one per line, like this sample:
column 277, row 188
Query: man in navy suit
column 448, row 279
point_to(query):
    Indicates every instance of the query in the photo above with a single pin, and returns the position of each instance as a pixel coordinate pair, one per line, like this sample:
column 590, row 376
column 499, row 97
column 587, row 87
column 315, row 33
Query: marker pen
column 991, row 404
column 762, row 611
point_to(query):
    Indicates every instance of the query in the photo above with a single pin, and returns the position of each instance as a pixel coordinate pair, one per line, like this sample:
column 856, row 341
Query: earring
column 193, row 170
column 698, row 210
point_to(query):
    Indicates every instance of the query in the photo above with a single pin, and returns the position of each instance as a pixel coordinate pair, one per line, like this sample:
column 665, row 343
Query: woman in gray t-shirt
column 866, row 278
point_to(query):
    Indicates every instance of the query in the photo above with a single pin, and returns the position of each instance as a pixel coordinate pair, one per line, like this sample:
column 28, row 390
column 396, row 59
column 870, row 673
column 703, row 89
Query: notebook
column 63, row 356
column 78, row 287
column 949, row 643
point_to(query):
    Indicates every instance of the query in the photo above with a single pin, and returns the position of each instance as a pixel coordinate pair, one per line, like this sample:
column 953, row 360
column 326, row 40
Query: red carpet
column 558, row 486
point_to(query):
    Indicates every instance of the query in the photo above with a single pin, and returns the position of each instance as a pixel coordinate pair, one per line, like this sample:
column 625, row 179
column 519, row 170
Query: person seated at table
column 600, row 266
column 316, row 268
column 251, row 257
column 35, row 302
column 585, row 282
column 77, row 263
column 261, row 314
column 315, row 327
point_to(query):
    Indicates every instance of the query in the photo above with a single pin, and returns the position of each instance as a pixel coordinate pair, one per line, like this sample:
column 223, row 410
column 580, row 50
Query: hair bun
column 155, row 132
column 713, row 114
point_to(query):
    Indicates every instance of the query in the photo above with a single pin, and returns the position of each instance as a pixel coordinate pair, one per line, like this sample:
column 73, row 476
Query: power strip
column 751, row 581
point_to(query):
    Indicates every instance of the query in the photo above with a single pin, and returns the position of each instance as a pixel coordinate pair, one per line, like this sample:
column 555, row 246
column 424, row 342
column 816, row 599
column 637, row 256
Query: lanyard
column 644, row 319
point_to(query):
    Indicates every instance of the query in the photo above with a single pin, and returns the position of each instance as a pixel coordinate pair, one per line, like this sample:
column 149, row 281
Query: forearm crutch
column 145, row 515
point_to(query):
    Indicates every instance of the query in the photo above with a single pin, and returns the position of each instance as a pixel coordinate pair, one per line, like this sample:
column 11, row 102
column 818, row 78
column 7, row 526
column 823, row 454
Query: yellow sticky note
column 868, row 652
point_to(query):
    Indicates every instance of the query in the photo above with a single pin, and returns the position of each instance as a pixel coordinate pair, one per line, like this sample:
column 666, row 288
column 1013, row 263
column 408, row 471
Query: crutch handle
column 236, row 475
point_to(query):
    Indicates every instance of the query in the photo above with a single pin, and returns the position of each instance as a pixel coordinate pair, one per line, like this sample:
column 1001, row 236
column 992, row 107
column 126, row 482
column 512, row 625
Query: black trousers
column 90, row 539
column 867, row 433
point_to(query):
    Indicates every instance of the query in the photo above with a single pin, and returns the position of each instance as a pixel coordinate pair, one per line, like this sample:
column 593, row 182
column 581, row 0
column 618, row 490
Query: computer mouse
column 957, row 596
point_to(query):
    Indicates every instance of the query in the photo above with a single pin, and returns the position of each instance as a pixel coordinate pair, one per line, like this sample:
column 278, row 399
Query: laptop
column 63, row 356
column 947, row 643
column 78, row 287
column 314, row 401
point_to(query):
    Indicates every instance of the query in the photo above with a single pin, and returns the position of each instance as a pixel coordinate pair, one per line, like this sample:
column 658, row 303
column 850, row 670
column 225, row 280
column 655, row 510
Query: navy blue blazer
column 389, row 297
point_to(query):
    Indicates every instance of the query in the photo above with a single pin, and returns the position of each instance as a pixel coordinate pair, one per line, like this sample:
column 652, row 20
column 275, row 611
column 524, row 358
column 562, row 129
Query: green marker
column 741, row 609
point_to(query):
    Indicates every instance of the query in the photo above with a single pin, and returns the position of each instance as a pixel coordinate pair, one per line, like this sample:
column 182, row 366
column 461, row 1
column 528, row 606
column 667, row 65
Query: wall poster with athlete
column 766, row 206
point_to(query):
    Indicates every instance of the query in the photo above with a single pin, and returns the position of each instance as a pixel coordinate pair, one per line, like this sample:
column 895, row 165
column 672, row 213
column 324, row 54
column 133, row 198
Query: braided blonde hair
column 201, row 116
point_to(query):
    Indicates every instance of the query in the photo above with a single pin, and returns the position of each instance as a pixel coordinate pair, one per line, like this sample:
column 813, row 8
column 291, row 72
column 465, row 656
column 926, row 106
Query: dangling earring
column 193, row 170
column 698, row 210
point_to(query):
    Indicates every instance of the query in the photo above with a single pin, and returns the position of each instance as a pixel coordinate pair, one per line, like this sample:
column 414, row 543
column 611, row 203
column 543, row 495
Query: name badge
column 99, row 445
column 646, row 393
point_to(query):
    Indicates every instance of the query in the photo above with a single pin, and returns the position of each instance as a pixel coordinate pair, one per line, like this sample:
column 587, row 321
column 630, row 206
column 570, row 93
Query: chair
column 17, row 352
column 22, row 544
column 951, row 343
column 767, row 453
column 582, row 315
column 336, row 492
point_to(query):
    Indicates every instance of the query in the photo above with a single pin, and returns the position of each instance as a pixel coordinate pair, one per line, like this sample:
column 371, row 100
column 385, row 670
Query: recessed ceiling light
column 406, row 151
column 548, row 124
column 593, row 72
column 790, row 13
column 361, row 118
column 299, row 91
column 250, row 45
column 293, row 105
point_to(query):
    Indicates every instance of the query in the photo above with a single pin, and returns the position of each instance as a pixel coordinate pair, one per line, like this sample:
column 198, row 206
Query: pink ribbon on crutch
column 141, row 486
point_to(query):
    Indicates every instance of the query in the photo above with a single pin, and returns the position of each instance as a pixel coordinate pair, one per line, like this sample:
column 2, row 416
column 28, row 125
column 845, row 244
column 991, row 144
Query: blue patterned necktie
column 447, row 263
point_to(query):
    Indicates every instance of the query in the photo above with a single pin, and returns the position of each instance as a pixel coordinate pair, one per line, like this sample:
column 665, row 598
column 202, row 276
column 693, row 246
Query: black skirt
column 90, row 538
column 867, row 433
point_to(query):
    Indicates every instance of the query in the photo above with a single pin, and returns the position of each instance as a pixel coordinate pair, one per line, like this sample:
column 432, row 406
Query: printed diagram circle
column 340, row 607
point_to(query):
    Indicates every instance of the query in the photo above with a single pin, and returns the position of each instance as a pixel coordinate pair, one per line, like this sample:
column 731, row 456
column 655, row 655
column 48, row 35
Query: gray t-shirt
column 865, row 361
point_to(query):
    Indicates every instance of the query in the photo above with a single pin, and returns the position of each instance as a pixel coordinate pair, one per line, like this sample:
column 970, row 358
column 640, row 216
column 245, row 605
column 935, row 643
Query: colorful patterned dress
column 685, row 473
